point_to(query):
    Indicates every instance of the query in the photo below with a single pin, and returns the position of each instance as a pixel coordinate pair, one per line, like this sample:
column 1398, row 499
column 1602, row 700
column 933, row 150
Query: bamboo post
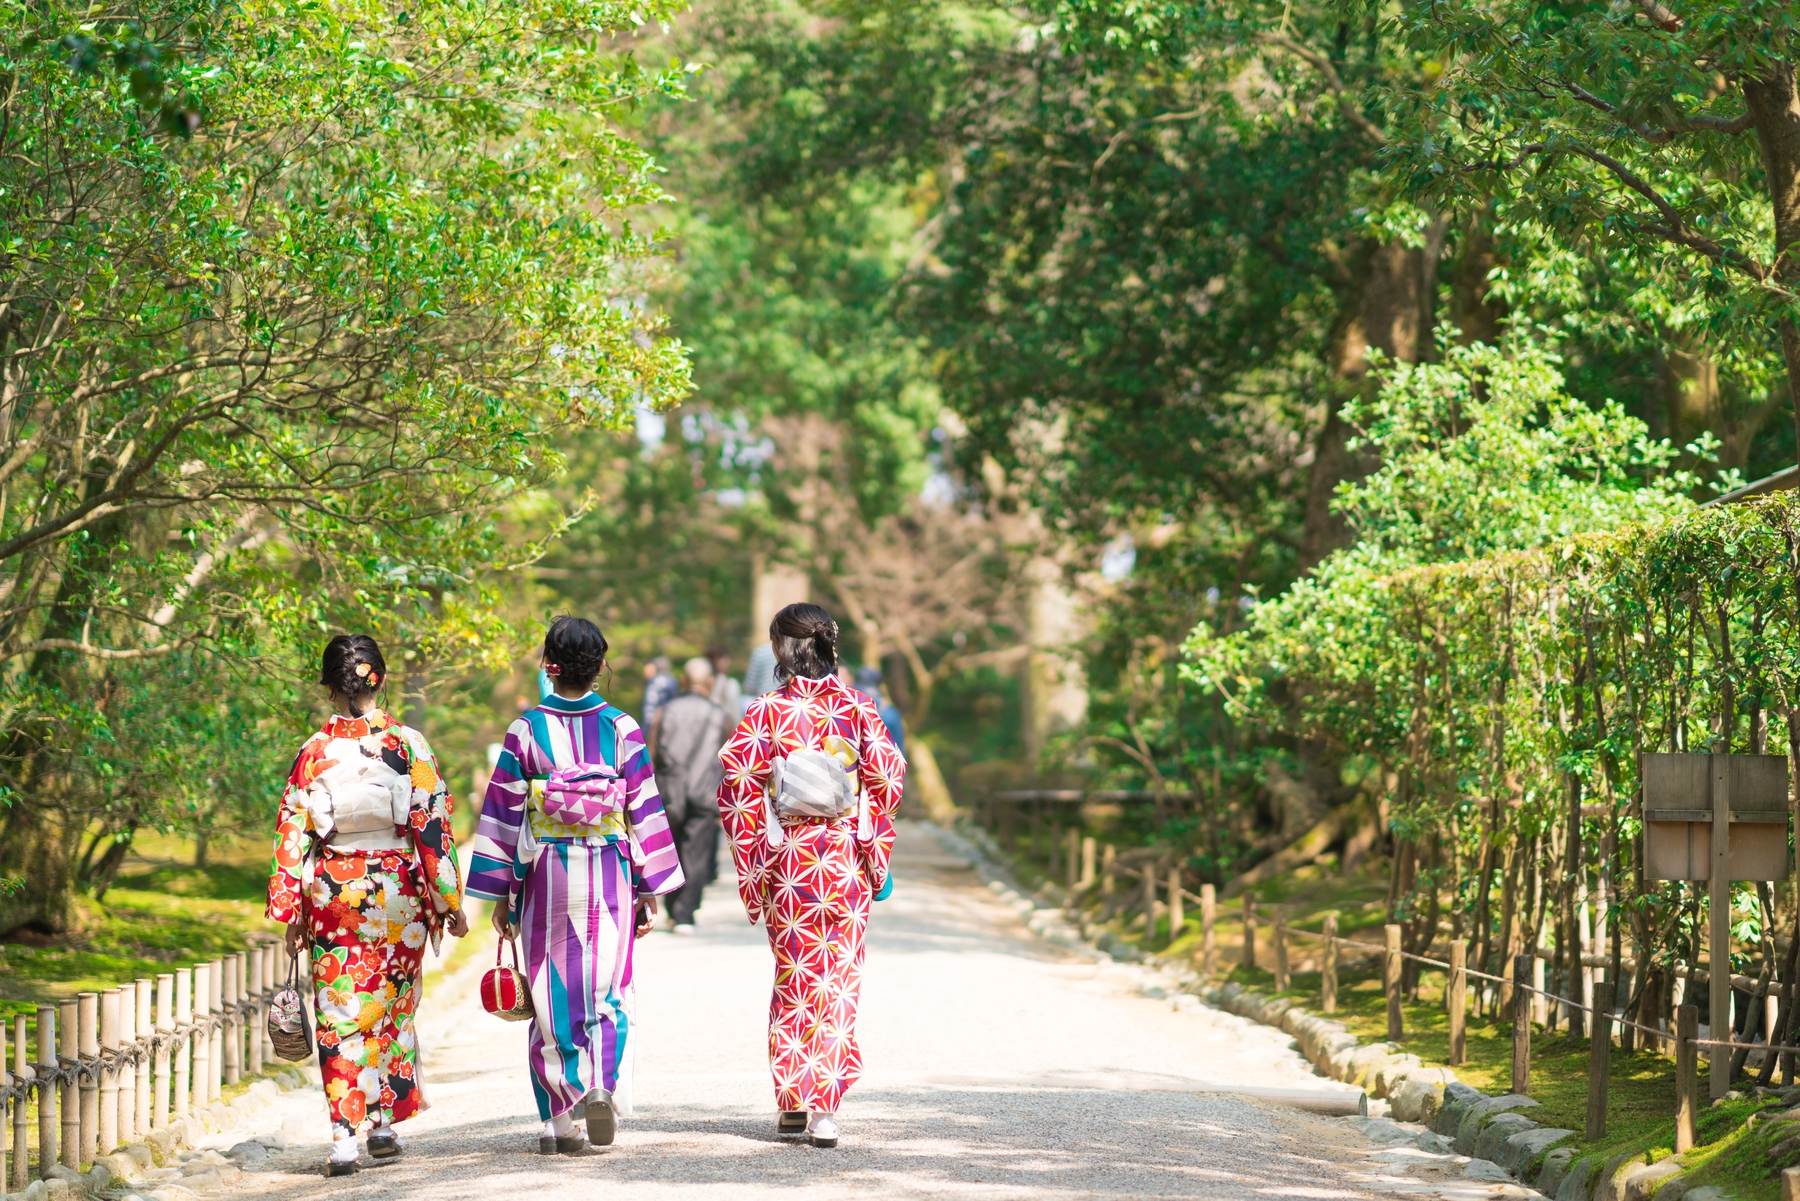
column 1718, row 942
column 1390, row 983
column 1599, row 1059
column 272, row 976
column 253, row 1044
column 160, row 1057
column 1328, row 968
column 1459, row 1001
column 88, row 1048
column 1149, row 905
column 1249, row 930
column 215, row 1082
column 21, row 1170
column 21, row 1125
column 233, row 1027
column 1521, row 1049
column 1209, row 945
column 184, row 1053
column 108, row 1124
column 48, row 1147
column 1687, row 1076
column 8, row 1078
column 1087, row 863
column 141, row 1027
column 1107, row 862
column 1279, row 934
column 1176, row 919
column 200, row 1077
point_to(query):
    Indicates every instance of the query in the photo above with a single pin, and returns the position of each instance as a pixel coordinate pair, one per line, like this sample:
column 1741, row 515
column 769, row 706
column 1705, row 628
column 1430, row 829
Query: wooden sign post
column 1716, row 818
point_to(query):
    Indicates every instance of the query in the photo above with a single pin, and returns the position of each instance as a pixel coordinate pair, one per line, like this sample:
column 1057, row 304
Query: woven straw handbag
column 290, row 1030
column 504, row 992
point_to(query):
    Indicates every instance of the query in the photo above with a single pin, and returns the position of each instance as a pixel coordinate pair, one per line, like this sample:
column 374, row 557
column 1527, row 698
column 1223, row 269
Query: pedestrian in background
column 759, row 676
column 810, row 748
column 660, row 687
column 868, row 682
column 364, row 876
column 687, row 774
column 574, row 868
column 727, row 693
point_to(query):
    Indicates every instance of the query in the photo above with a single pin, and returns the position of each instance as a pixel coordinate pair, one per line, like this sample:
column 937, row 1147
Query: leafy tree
column 1636, row 131
column 299, row 296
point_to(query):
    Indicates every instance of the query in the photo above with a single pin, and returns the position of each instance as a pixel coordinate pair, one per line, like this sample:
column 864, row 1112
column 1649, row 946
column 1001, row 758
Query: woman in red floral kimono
column 365, row 873
column 811, row 784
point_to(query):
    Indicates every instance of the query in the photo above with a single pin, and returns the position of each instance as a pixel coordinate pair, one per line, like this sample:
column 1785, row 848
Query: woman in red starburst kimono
column 811, row 784
column 365, row 874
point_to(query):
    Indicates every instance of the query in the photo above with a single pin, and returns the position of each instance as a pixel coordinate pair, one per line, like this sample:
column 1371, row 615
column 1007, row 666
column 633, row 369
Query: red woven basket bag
column 504, row 992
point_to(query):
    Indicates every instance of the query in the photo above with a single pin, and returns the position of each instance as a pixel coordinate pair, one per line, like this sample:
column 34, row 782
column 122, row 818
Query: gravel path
column 995, row 1067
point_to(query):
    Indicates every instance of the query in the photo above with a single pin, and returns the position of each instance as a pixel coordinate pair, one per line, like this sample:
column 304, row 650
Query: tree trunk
column 1388, row 308
column 1773, row 102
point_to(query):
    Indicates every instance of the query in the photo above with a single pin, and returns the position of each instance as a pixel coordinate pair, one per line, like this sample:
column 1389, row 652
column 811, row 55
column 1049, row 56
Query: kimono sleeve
column 494, row 868
column 747, row 763
column 655, row 867
column 293, row 836
column 882, row 770
column 432, row 835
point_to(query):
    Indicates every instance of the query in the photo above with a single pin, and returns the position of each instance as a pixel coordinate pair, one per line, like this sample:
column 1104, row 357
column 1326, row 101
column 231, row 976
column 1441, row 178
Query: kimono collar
column 357, row 727
column 803, row 687
column 588, row 702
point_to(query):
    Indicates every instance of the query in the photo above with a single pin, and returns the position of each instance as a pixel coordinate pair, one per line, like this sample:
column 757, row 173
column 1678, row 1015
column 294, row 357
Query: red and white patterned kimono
column 811, row 880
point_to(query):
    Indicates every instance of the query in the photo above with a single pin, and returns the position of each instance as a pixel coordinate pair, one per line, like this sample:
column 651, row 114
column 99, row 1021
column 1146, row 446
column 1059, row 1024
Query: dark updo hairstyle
column 574, row 651
column 352, row 664
column 804, row 639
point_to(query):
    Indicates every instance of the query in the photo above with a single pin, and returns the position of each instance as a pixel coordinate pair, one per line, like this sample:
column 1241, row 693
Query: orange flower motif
column 327, row 969
column 345, row 868
column 352, row 1107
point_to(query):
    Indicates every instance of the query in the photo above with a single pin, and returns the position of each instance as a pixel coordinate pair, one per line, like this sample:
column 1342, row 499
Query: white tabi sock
column 562, row 1125
column 344, row 1150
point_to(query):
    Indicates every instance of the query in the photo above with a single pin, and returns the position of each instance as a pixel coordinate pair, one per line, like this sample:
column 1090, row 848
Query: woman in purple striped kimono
column 574, row 847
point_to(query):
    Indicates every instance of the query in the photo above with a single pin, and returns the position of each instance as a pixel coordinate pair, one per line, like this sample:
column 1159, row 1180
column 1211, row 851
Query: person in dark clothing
column 692, row 728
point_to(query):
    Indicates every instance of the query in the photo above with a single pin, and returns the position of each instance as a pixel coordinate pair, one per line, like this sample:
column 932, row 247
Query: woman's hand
column 458, row 922
column 296, row 938
column 502, row 927
column 646, row 916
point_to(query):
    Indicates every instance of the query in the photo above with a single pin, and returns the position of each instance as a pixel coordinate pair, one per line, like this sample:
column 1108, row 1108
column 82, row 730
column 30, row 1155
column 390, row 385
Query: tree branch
column 1333, row 81
column 95, row 652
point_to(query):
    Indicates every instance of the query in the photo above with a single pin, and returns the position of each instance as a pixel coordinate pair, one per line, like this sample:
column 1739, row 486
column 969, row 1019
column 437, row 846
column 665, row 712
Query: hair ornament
column 553, row 669
column 374, row 680
column 362, row 669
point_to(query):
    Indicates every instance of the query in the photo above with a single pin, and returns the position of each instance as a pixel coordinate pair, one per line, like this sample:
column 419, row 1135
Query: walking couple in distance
column 573, row 848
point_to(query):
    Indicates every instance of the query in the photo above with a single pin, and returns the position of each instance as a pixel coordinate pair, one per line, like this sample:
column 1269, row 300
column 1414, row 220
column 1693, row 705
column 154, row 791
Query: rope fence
column 1090, row 869
column 114, row 1065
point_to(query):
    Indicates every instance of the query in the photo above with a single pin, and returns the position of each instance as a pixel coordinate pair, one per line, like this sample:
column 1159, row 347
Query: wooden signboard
column 1678, row 817
column 1716, row 818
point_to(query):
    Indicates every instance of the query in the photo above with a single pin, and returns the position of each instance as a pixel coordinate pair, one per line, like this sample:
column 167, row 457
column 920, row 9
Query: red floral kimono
column 811, row 879
column 369, row 914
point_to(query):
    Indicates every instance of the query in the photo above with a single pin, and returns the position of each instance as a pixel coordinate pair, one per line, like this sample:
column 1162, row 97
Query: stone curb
column 111, row 1173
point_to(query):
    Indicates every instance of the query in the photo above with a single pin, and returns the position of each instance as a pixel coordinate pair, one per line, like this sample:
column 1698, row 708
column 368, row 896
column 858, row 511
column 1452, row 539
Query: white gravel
column 995, row 1067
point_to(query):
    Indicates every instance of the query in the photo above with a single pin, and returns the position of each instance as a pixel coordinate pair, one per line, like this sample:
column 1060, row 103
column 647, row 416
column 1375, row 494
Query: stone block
column 1610, row 1186
column 1449, row 1117
column 1574, row 1184
column 1391, row 1069
column 161, row 1144
column 1673, row 1189
column 1437, row 1144
column 118, row 1165
column 1556, row 1166
column 140, row 1155
column 1520, row 1149
column 1710, row 1193
column 1641, row 1183
column 1487, row 1171
column 1458, row 1091
column 1499, row 1128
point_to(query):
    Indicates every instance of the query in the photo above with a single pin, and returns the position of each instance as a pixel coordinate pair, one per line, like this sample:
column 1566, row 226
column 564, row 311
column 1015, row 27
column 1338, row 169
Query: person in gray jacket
column 692, row 729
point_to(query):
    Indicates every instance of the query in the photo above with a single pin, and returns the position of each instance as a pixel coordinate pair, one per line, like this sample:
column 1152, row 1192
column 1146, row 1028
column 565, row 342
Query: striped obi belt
column 576, row 801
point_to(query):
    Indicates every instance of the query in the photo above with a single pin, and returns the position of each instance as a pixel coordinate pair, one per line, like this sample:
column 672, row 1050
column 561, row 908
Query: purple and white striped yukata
column 572, row 890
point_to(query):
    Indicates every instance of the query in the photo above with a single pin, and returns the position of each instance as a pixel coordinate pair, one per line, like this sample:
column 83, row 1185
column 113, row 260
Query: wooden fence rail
column 114, row 1065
